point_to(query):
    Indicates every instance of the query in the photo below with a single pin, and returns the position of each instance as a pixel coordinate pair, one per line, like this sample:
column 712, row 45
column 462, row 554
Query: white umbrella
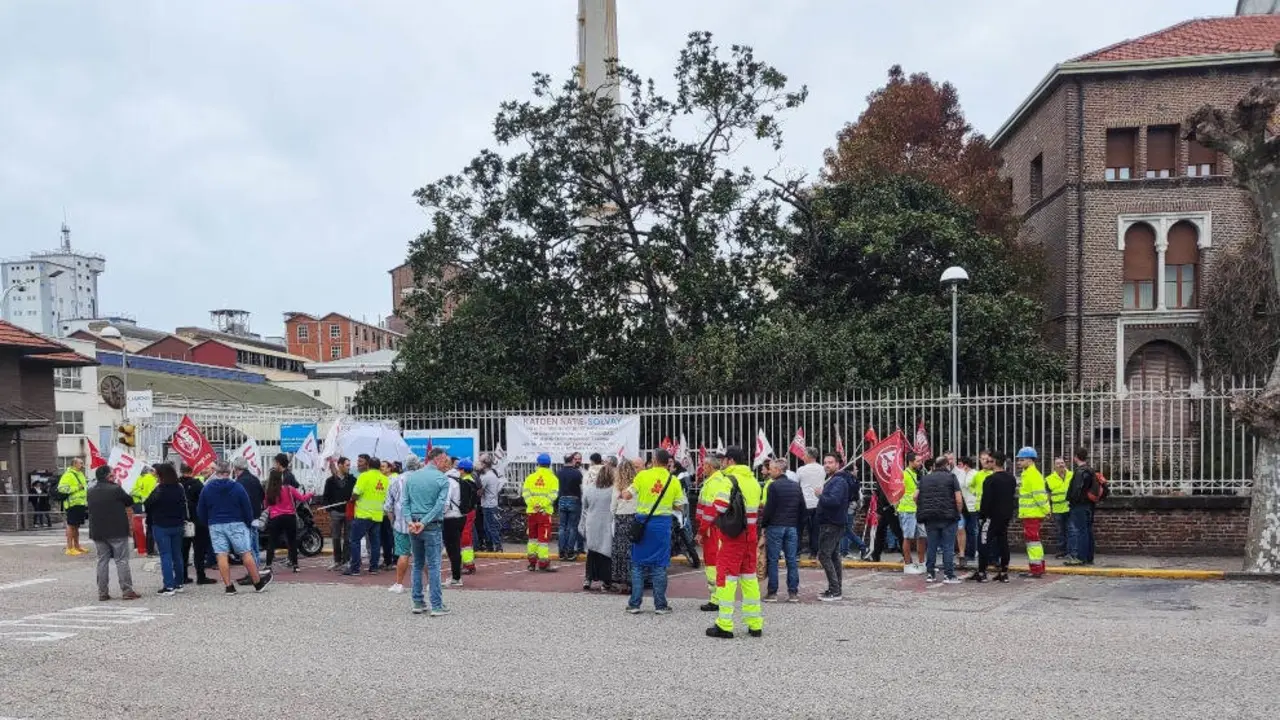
column 374, row 440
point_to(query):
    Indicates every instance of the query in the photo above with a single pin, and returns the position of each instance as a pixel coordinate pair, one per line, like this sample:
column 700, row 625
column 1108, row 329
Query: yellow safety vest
column 1033, row 497
column 747, row 485
column 707, row 496
column 907, row 503
column 540, row 491
column 74, row 485
column 648, row 486
column 1058, row 491
column 143, row 488
column 975, row 486
column 371, row 494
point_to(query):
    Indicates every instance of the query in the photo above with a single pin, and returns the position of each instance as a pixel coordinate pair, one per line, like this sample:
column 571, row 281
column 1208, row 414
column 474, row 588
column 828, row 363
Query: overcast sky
column 262, row 155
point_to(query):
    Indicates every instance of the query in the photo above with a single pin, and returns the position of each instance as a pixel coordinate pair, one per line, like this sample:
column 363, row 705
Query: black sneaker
column 231, row 590
column 756, row 633
column 263, row 582
column 979, row 577
column 709, row 607
column 931, row 577
column 1002, row 577
column 351, row 573
column 829, row 596
column 716, row 632
column 246, row 580
column 206, row 581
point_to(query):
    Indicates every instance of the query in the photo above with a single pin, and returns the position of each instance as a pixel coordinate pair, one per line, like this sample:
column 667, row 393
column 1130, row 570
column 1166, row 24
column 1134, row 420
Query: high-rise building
column 51, row 286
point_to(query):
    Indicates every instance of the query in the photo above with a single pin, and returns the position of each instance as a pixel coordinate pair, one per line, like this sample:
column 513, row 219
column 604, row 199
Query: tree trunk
column 1262, row 546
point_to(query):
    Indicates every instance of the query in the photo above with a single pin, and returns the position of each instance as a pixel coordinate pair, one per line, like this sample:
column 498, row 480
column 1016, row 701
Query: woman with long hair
column 167, row 508
column 282, row 518
column 624, row 511
column 596, row 525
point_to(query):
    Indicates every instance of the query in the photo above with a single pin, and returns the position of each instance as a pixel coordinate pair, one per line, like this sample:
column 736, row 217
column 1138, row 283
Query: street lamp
column 5, row 295
column 952, row 277
column 110, row 332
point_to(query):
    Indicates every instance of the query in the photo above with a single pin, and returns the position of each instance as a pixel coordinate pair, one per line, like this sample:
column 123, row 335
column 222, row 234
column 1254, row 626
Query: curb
column 1253, row 576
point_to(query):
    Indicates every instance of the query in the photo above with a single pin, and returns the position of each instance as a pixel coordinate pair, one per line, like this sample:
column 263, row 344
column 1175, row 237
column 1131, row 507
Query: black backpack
column 733, row 521
column 468, row 495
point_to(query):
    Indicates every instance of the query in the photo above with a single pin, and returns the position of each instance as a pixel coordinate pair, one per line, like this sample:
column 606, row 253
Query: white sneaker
column 454, row 583
column 912, row 569
column 397, row 588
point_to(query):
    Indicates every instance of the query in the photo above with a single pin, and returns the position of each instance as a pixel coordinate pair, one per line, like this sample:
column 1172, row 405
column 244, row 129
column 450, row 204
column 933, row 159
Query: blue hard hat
column 465, row 464
column 1027, row 453
column 544, row 459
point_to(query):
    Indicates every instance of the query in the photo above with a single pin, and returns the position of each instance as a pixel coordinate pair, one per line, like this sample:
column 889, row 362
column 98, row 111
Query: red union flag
column 797, row 443
column 869, row 437
column 921, row 445
column 192, row 447
column 840, row 446
column 95, row 458
column 885, row 458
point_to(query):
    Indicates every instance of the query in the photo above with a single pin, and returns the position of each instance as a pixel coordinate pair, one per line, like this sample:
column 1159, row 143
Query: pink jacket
column 284, row 506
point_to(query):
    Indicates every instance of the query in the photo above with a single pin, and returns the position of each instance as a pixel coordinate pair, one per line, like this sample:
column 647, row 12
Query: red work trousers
column 736, row 556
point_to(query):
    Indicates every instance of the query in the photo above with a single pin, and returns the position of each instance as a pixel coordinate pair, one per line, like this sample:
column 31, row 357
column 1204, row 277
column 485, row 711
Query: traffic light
column 128, row 435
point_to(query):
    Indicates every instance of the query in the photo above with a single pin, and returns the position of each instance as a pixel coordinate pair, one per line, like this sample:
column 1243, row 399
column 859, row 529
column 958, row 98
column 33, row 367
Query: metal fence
column 1147, row 443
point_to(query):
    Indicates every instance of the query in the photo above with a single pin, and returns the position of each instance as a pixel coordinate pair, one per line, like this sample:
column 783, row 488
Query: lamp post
column 110, row 332
column 952, row 277
column 4, row 297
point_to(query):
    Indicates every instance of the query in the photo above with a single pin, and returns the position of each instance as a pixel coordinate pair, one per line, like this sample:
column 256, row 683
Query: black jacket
column 192, row 488
column 166, row 506
column 999, row 497
column 785, row 504
column 253, row 486
column 337, row 491
column 937, row 503
column 1082, row 481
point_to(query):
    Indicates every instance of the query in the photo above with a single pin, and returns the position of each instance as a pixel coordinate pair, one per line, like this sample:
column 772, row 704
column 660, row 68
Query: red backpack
column 1100, row 490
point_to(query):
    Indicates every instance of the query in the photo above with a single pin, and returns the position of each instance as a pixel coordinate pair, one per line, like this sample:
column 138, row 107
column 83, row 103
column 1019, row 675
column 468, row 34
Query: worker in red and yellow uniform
column 540, row 491
column 708, row 535
column 1033, row 508
column 736, row 557
column 467, row 485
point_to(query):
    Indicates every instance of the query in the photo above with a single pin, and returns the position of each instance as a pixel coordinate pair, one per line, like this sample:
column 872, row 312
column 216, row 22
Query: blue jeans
column 361, row 528
column 944, row 536
column 971, row 536
column 783, row 541
column 570, row 513
column 427, row 546
column 169, row 545
column 851, row 538
column 1080, row 532
column 493, row 526
column 655, row 574
column 1060, row 523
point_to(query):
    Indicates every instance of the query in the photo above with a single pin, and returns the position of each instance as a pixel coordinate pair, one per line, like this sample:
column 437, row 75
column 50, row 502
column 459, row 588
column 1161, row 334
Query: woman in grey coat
column 596, row 525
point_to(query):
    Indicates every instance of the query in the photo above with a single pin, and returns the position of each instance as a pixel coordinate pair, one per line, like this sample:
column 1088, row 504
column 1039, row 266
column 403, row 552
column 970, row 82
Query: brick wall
column 30, row 385
column 1161, row 526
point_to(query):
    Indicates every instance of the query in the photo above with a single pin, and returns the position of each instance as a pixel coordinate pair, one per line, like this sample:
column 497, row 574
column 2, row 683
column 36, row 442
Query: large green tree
column 599, row 239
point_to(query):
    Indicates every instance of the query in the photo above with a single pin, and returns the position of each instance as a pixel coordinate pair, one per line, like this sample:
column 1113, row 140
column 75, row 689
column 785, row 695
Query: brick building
column 334, row 336
column 403, row 287
column 1130, row 215
column 28, row 419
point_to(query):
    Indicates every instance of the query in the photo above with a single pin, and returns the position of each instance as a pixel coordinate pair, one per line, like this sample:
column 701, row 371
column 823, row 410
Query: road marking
column 25, row 583
column 87, row 617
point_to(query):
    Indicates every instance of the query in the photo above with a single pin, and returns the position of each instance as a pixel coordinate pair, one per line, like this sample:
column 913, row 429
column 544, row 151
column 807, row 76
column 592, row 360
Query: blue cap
column 544, row 460
column 1027, row 453
column 465, row 464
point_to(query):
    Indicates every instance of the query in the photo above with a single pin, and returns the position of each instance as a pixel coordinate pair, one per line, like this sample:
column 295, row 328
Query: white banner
column 125, row 468
column 559, row 435
column 250, row 452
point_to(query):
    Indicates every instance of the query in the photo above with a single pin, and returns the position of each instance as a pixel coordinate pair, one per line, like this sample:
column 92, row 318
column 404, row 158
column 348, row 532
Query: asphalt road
column 314, row 645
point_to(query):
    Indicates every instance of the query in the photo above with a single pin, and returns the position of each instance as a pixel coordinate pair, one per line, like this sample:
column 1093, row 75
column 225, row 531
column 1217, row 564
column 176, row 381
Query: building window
column 69, row 422
column 1120, row 146
column 315, row 393
column 67, row 379
column 1140, row 267
column 1180, row 261
column 335, row 332
column 1037, row 179
column 335, row 352
column 304, row 333
column 1162, row 151
column 1201, row 161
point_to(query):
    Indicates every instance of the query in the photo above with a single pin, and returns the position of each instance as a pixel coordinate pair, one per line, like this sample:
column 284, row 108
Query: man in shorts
column 224, row 507
column 394, row 509
column 907, row 516
column 74, row 487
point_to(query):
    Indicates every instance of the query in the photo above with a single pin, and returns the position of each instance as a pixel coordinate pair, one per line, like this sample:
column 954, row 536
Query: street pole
column 124, row 361
column 955, row 379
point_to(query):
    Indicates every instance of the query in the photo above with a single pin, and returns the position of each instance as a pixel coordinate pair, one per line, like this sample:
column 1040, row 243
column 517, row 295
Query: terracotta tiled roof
column 15, row 337
column 1202, row 36
column 69, row 358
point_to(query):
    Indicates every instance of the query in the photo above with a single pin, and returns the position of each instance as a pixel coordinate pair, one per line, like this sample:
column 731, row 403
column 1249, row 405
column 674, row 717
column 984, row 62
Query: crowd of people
column 626, row 516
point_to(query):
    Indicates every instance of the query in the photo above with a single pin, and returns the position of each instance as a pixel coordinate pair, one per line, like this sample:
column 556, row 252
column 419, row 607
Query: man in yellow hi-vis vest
column 707, row 533
column 369, row 494
column 540, row 491
column 142, row 489
column 74, row 487
column 657, row 492
column 1058, row 482
column 1033, row 508
column 736, row 559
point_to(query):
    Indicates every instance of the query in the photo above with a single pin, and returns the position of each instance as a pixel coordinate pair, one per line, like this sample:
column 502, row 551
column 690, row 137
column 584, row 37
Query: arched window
column 1159, row 366
column 1140, row 267
column 1180, row 263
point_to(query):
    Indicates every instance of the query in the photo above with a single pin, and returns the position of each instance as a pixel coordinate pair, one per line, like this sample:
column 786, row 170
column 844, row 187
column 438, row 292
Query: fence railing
column 1148, row 443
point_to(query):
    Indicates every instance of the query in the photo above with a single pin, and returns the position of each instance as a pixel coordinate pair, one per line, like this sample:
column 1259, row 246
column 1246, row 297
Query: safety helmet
column 544, row 460
column 1027, row 453
column 464, row 464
